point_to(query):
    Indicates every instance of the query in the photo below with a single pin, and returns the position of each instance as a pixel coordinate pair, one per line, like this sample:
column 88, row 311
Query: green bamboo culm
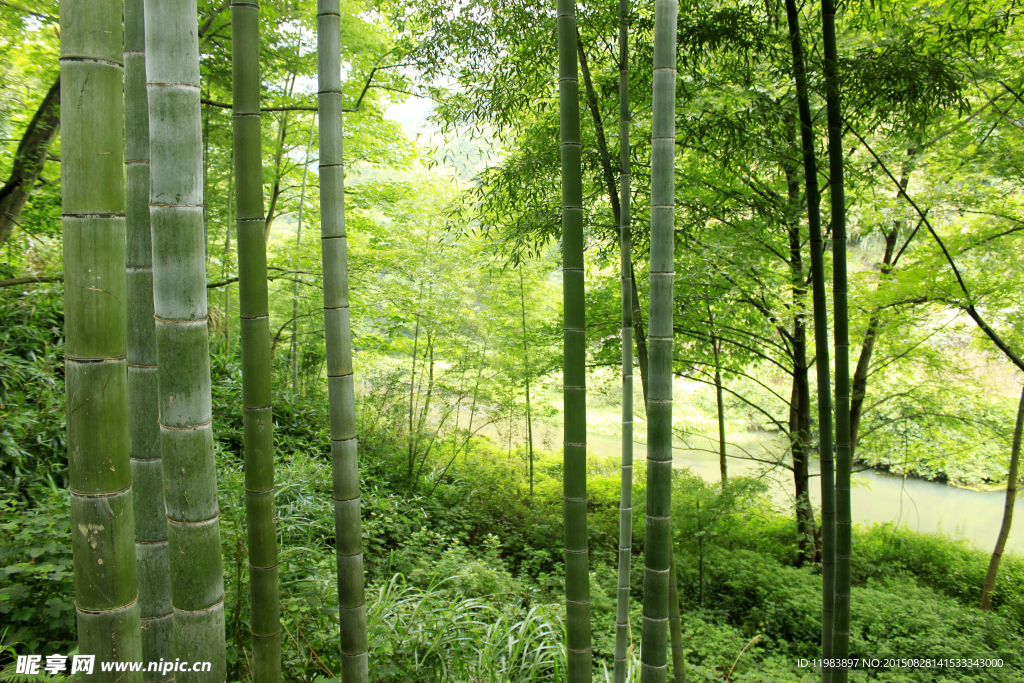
column 658, row 529
column 675, row 629
column 574, row 482
column 821, row 341
column 338, row 334
column 151, row 557
column 622, row 629
column 95, row 333
column 844, row 450
column 182, row 337
column 254, row 333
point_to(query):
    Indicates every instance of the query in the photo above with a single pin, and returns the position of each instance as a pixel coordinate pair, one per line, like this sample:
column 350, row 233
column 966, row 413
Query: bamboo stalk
column 821, row 342
column 95, row 332
column 254, row 335
column 623, row 636
column 844, row 450
column 574, row 484
column 337, row 328
column 182, row 337
column 152, row 560
column 658, row 530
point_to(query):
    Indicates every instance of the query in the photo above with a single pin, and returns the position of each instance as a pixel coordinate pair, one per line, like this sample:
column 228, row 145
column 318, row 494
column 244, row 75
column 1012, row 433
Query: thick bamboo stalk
column 182, row 336
column 143, row 412
column 574, row 484
column 95, row 332
column 254, row 334
column 337, row 329
column 1011, row 495
column 821, row 341
column 844, row 450
column 622, row 627
column 658, row 531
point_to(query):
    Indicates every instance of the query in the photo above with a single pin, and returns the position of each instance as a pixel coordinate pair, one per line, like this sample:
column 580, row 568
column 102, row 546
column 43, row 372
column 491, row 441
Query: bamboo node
column 104, row 494
column 120, row 608
column 195, row 426
column 93, row 60
column 211, row 608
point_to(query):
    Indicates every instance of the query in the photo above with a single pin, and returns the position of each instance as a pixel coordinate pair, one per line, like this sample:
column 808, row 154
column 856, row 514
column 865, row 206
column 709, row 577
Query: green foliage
column 36, row 578
column 947, row 565
column 32, row 420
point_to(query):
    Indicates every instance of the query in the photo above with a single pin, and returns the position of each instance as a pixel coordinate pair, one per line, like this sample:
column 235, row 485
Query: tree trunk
column 577, row 562
column 254, row 332
column 526, row 376
column 844, row 449
column 625, row 554
column 95, row 332
column 860, row 375
column 338, row 333
column 29, row 160
column 227, row 255
column 658, row 527
column 412, row 404
column 723, row 464
column 619, row 204
column 182, row 337
column 1011, row 495
column 275, row 190
column 295, row 287
column 152, row 560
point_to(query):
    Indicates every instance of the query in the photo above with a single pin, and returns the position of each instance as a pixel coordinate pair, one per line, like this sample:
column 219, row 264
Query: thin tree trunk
column 95, row 332
column 29, row 159
column 858, row 390
column 526, row 375
column 821, row 342
column 295, row 288
column 227, row 255
column 574, row 491
column 412, row 403
column 338, row 333
column 1011, row 495
column 182, row 337
column 623, row 634
column 658, row 527
column 275, row 190
column 618, row 204
column 844, row 450
column 151, row 555
column 722, row 462
column 254, row 330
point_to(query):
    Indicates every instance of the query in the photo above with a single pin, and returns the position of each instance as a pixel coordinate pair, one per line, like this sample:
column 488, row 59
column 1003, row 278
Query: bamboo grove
column 143, row 474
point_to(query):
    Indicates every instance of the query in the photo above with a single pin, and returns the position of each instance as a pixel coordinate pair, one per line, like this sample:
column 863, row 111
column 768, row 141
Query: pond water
column 876, row 496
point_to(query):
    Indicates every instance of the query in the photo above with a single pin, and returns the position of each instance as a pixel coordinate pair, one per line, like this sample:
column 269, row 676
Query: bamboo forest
column 506, row 341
